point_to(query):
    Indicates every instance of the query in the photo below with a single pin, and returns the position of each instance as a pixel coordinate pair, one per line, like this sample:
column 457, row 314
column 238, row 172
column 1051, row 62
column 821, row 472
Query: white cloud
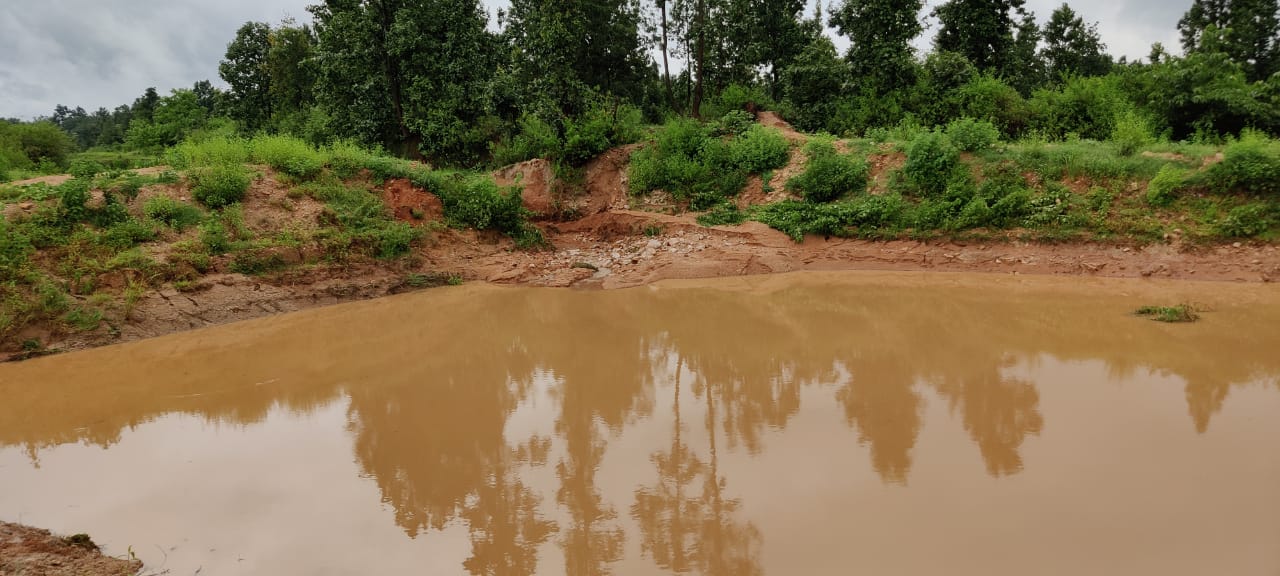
column 107, row 52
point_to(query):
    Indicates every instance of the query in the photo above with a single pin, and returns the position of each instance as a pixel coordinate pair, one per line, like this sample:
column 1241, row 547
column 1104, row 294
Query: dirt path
column 56, row 179
column 27, row 551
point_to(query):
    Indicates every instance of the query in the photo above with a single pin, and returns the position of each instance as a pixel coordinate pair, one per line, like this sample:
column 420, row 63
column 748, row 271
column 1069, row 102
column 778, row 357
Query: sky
column 104, row 53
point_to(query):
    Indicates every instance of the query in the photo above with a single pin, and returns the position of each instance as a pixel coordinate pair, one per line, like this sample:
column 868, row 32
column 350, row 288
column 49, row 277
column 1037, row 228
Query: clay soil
column 602, row 238
column 26, row 551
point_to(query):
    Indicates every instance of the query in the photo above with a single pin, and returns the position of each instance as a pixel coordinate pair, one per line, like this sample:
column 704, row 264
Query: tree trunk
column 702, row 55
column 392, row 71
column 666, row 68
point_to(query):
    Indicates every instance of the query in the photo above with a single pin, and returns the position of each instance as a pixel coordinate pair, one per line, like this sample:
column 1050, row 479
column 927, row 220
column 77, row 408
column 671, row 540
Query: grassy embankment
column 963, row 182
column 79, row 255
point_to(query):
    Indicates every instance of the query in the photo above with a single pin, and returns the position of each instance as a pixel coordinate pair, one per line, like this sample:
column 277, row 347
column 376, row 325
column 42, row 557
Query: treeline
column 568, row 79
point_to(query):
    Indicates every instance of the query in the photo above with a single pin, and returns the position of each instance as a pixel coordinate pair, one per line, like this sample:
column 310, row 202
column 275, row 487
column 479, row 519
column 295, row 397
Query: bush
column 829, row 175
column 867, row 213
column 288, row 154
column 1247, row 220
column 1251, row 164
column 484, row 206
column 15, row 247
column 218, row 186
column 86, row 169
column 172, row 213
column 216, row 151
column 346, row 158
column 971, row 135
column 691, row 164
column 725, row 213
column 74, row 199
column 759, row 149
column 1163, row 189
column 932, row 160
column 1132, row 133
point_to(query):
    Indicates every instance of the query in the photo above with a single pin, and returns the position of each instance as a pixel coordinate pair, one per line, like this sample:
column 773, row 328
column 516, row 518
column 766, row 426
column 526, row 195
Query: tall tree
column 291, row 68
column 244, row 68
column 981, row 30
column 880, row 34
column 1251, row 32
column 565, row 49
column 1073, row 48
column 145, row 106
column 1025, row 70
column 409, row 74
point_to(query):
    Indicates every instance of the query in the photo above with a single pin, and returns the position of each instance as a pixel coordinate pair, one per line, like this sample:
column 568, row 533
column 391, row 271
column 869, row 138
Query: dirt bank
column 600, row 237
column 26, row 551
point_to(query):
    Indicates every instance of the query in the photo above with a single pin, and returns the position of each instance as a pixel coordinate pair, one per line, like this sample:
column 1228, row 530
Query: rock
column 1236, row 245
column 655, row 244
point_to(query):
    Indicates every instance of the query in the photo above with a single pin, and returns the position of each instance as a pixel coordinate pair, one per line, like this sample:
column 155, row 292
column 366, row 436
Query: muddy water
column 799, row 424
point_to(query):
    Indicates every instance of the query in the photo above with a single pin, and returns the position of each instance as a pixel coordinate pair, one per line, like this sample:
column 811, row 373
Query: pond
column 817, row 423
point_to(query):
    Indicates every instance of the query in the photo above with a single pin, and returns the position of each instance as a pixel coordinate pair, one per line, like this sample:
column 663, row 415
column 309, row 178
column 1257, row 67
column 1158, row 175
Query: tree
column 1026, row 68
column 565, row 49
column 409, row 74
column 445, row 93
column 145, row 105
column 1073, row 48
column 813, row 84
column 245, row 70
column 176, row 117
column 981, row 30
column 207, row 96
column 880, row 34
column 1250, row 32
column 291, row 69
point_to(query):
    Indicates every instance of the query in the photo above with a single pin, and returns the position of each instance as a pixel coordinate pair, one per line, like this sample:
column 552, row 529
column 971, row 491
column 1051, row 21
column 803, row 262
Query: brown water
column 788, row 425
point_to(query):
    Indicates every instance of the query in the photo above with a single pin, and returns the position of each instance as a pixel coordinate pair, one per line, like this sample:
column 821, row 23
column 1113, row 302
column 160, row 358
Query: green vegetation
column 1172, row 314
column 220, row 185
column 829, row 175
column 695, row 165
column 79, row 258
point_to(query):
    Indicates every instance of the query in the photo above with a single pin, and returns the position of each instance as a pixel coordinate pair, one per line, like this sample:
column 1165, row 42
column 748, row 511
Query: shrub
column 932, row 160
column 288, row 154
column 725, row 213
column 829, row 175
column 15, row 247
column 1251, row 164
column 74, row 198
column 867, row 213
column 1247, row 220
column 218, row 186
column 346, row 158
column 86, row 169
column 758, row 149
column 216, row 151
column 734, row 122
column 536, row 139
column 172, row 213
column 691, row 164
column 1132, row 133
column 128, row 233
column 484, row 206
column 1163, row 189
column 971, row 135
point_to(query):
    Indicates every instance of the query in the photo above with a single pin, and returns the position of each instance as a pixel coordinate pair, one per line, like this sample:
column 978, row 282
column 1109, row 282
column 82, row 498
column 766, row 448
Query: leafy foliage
column 829, row 175
column 219, row 185
column 932, row 161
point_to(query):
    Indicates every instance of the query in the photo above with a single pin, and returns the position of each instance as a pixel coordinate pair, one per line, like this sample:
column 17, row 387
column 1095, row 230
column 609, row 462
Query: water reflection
column 433, row 382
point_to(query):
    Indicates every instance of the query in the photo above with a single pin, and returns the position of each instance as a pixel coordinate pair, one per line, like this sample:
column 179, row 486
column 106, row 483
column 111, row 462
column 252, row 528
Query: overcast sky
column 94, row 53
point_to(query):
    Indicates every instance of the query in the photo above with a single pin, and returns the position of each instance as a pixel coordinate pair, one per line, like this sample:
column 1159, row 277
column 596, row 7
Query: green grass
column 1171, row 314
